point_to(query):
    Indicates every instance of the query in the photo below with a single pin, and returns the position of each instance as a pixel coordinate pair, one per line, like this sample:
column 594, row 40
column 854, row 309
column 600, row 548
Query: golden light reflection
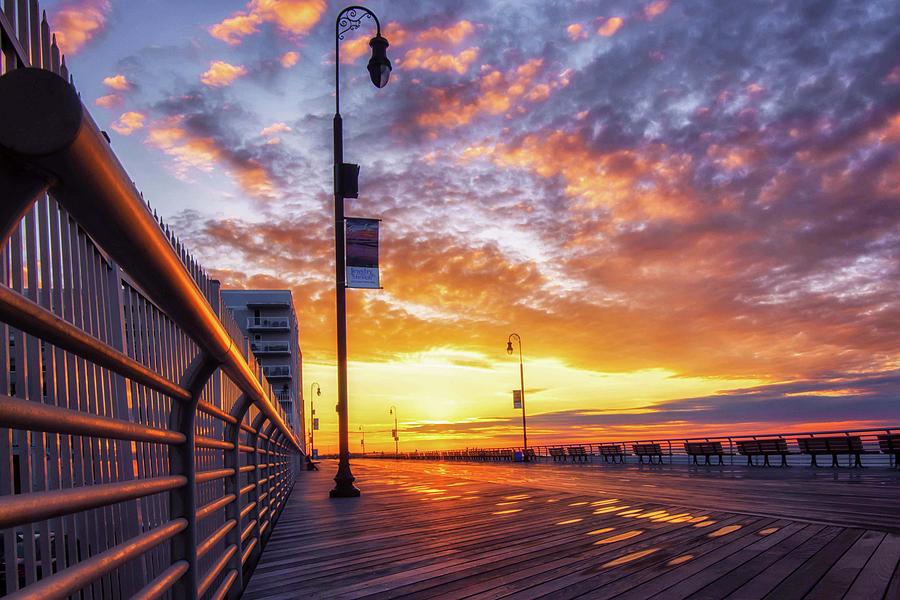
column 517, row 497
column 599, row 531
column 609, row 509
column 629, row 557
column 569, row 521
column 446, row 498
column 604, row 502
column 627, row 513
column 724, row 531
column 768, row 531
column 679, row 560
column 705, row 523
column 508, row 511
column 578, row 504
column 619, row 538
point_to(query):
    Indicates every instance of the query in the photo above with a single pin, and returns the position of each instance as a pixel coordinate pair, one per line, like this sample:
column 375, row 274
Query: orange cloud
column 108, row 101
column 128, row 123
column 79, row 22
column 453, row 34
column 221, row 74
column 203, row 154
column 117, row 82
column 289, row 59
column 433, row 60
column 654, row 9
column 634, row 185
column 355, row 47
column 495, row 94
column 610, row 26
column 576, row 31
column 293, row 17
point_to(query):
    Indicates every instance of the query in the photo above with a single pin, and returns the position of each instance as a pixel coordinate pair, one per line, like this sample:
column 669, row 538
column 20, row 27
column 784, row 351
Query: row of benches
column 845, row 445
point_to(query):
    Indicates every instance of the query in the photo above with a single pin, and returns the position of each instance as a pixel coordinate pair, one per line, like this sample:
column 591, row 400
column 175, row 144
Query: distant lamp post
column 362, row 441
column 314, row 391
column 509, row 350
column 346, row 185
column 395, row 433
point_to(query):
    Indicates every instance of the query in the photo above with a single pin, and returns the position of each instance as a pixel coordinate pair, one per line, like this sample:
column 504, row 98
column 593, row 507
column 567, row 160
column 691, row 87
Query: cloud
column 128, row 123
column 494, row 93
column 610, row 26
column 452, row 34
column 77, row 22
column 576, row 31
column 221, row 74
column 275, row 128
column 656, row 8
column 119, row 83
column 433, row 60
column 289, row 59
column 291, row 17
column 108, row 101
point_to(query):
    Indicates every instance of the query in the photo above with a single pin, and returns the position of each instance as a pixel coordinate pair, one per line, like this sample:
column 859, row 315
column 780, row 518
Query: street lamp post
column 393, row 411
column 379, row 71
column 312, row 424
column 363, row 440
column 509, row 350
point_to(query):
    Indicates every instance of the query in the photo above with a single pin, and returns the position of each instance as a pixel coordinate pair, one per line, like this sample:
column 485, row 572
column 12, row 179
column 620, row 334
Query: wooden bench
column 850, row 445
column 558, row 454
column 890, row 444
column 705, row 449
column 529, row 455
column 648, row 450
column 764, row 448
column 614, row 452
column 578, row 453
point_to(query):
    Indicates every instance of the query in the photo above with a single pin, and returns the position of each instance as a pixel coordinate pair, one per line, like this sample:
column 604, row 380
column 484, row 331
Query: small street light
column 345, row 185
column 395, row 433
column 363, row 440
column 312, row 424
column 509, row 350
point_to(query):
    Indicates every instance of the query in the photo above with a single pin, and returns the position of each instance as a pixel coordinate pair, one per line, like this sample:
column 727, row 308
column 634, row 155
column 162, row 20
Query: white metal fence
column 96, row 512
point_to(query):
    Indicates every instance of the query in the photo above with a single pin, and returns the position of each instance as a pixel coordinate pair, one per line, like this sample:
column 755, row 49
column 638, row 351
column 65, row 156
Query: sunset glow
column 689, row 211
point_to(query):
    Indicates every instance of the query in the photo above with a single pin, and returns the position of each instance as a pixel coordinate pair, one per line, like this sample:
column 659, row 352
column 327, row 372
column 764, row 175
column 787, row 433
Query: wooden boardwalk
column 439, row 530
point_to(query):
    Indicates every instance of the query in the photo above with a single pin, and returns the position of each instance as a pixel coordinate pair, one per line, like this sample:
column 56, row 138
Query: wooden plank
column 873, row 580
column 841, row 575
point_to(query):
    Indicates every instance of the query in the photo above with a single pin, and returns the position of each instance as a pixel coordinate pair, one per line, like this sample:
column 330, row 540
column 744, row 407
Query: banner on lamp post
column 517, row 398
column 362, row 253
column 316, row 424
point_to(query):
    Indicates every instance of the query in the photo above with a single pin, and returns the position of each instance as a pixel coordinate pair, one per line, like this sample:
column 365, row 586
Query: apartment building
column 268, row 320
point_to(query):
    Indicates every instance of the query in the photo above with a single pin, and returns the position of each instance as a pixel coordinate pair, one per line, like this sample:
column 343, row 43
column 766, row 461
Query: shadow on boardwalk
column 425, row 530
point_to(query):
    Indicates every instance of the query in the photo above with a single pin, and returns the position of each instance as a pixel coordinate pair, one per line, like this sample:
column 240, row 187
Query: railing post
column 182, row 502
column 233, row 486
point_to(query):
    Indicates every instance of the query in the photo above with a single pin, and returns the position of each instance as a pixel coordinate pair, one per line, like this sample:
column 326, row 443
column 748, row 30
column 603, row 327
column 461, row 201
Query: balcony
column 271, row 349
column 268, row 324
column 277, row 372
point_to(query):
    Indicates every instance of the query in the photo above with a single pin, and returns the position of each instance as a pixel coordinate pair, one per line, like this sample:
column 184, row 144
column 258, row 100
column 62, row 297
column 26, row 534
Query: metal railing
column 277, row 371
column 267, row 323
column 283, row 348
column 674, row 450
column 140, row 453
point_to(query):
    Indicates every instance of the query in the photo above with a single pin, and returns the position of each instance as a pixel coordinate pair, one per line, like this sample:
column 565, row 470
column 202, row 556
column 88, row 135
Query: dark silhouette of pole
column 363, row 440
column 509, row 350
column 312, row 424
column 379, row 70
column 396, row 433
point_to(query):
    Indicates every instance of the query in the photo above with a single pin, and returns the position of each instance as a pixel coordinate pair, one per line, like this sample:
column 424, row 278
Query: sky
column 689, row 210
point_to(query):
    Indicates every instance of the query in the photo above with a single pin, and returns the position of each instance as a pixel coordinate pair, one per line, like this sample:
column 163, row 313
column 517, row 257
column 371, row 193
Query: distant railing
column 277, row 371
column 267, row 323
column 674, row 450
column 140, row 454
column 270, row 348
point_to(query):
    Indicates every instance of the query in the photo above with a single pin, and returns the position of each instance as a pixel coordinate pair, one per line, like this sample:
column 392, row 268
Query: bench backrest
column 576, row 451
column 769, row 446
column 557, row 452
column 611, row 449
column 703, row 448
column 890, row 443
column 646, row 449
column 844, row 444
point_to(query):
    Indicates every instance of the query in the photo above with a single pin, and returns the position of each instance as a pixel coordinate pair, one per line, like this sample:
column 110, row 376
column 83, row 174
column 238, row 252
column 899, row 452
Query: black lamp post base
column 344, row 491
